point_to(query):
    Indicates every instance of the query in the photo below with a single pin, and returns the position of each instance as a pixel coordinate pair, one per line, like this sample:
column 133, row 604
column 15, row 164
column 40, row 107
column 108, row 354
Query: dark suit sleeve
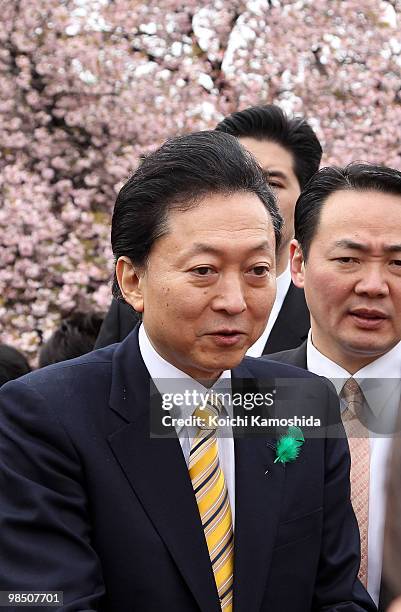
column 337, row 587
column 45, row 539
column 119, row 321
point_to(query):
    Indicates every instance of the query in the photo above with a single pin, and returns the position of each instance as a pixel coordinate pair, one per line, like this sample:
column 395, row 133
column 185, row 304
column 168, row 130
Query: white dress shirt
column 283, row 284
column 169, row 379
column 380, row 383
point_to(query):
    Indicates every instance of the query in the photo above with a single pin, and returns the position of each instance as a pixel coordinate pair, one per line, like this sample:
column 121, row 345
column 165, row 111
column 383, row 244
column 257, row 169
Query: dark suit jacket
column 119, row 321
column 292, row 324
column 92, row 506
column 297, row 357
column 289, row 330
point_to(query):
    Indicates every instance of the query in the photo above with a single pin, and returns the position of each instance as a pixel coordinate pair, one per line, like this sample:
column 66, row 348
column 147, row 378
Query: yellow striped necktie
column 213, row 502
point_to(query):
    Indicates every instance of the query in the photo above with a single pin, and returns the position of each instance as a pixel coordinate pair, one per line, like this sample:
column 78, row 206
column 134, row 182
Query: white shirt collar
column 169, row 379
column 283, row 283
column 379, row 380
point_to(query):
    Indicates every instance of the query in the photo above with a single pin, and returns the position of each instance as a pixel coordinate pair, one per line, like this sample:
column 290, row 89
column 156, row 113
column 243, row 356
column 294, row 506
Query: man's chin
column 360, row 354
column 368, row 349
column 215, row 368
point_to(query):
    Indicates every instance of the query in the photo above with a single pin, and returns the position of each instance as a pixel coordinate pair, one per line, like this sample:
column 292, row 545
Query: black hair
column 177, row 176
column 294, row 134
column 13, row 364
column 356, row 176
column 75, row 336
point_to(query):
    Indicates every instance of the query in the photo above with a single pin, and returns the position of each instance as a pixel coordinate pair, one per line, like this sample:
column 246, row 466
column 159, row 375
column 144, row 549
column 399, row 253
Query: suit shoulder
column 267, row 366
column 89, row 368
column 281, row 356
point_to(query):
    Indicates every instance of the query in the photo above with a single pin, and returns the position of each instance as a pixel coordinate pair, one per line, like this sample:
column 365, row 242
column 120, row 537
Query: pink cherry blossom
column 87, row 87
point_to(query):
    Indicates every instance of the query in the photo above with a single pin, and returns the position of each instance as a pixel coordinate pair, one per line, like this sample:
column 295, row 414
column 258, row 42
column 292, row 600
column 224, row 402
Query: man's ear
column 297, row 264
column 130, row 282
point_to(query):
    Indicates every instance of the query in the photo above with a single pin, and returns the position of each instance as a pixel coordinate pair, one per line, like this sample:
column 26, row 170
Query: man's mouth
column 368, row 318
column 227, row 337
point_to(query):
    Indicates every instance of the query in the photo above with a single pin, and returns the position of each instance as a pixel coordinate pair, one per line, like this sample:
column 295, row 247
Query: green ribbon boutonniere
column 289, row 445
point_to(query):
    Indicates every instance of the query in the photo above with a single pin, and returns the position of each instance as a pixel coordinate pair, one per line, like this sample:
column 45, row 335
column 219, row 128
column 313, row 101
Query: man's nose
column 230, row 295
column 373, row 282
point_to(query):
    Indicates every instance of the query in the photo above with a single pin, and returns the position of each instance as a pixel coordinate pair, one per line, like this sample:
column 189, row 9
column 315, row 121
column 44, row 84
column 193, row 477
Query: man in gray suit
column 347, row 257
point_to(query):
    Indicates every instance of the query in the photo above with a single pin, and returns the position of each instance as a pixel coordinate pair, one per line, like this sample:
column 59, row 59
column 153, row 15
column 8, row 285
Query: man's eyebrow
column 390, row 248
column 350, row 244
column 358, row 246
column 275, row 174
column 200, row 247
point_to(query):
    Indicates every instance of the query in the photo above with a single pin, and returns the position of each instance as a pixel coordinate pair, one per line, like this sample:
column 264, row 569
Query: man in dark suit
column 347, row 257
column 98, row 501
column 289, row 152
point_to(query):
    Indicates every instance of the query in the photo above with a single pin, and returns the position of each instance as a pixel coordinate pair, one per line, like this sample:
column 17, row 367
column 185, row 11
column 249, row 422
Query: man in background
column 347, row 257
column 289, row 152
column 75, row 336
column 13, row 364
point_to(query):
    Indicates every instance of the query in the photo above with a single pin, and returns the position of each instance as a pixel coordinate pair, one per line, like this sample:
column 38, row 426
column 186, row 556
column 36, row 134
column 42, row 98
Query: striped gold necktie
column 359, row 446
column 213, row 502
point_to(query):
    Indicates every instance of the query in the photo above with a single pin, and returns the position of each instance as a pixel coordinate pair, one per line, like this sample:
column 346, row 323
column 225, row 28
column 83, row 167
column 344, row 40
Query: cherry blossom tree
column 87, row 86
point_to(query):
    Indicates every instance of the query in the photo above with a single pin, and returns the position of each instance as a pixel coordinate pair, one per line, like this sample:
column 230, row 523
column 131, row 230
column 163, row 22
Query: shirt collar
column 323, row 366
column 379, row 380
column 283, row 283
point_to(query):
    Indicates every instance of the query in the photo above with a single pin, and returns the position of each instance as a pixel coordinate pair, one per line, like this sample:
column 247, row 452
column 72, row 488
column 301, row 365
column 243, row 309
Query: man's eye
column 203, row 270
column 345, row 260
column 397, row 263
column 260, row 270
column 276, row 185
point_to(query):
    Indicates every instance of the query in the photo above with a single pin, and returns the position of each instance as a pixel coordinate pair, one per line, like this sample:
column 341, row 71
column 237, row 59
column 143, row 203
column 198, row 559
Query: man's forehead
column 359, row 208
column 219, row 223
column 271, row 155
column 364, row 200
column 236, row 210
column 360, row 220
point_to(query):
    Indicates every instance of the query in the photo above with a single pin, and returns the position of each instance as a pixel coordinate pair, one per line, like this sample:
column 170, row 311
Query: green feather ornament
column 289, row 445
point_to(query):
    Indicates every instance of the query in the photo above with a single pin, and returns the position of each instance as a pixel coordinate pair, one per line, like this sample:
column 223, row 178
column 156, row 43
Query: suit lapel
column 259, row 485
column 157, row 472
column 299, row 356
column 292, row 324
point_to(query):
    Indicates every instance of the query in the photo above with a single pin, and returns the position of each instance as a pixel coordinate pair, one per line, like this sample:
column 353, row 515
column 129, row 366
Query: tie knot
column 352, row 394
column 351, row 391
column 208, row 412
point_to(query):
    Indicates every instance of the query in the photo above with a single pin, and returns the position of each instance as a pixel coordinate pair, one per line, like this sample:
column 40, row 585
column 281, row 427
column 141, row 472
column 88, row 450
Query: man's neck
column 159, row 367
column 349, row 362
